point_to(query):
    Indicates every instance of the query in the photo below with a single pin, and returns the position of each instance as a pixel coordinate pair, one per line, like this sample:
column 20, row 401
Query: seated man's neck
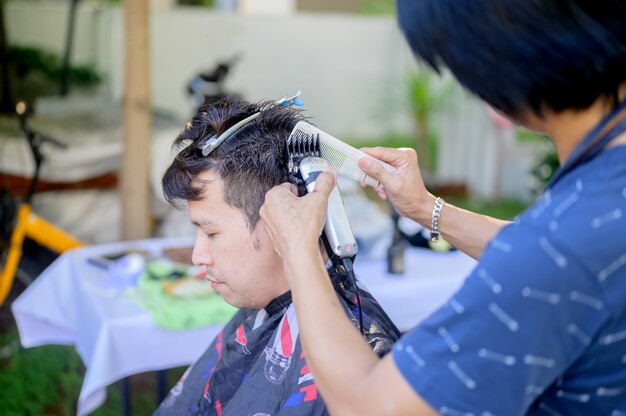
column 282, row 301
column 279, row 303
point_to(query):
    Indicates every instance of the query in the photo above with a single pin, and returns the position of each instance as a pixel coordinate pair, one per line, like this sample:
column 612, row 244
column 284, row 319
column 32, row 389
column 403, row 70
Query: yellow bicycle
column 19, row 222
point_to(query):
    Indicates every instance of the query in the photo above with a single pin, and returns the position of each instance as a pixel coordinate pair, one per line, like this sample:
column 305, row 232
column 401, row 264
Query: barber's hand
column 295, row 223
column 405, row 187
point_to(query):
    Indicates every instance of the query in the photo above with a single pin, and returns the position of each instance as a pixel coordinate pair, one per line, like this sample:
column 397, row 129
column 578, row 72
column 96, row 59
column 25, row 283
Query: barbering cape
column 256, row 367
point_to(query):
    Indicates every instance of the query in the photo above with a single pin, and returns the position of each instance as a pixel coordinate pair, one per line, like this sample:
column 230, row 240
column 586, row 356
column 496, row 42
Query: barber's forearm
column 465, row 230
column 335, row 351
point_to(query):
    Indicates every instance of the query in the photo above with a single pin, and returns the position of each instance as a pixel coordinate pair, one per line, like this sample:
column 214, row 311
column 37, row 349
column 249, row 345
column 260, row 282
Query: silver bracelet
column 434, row 224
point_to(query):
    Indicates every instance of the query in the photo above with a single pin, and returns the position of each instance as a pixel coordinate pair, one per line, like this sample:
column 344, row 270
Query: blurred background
column 66, row 60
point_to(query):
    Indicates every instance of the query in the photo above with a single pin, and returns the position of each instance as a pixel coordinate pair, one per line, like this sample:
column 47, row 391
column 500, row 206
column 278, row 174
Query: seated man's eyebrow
column 201, row 223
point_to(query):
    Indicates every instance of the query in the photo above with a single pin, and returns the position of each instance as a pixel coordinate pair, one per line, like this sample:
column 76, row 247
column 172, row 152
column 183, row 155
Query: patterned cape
column 256, row 367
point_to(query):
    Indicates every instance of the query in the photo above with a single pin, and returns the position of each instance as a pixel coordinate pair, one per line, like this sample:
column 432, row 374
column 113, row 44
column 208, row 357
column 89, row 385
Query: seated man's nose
column 201, row 256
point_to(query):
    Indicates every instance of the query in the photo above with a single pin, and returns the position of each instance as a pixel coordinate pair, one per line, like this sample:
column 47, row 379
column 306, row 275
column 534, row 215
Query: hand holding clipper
column 337, row 229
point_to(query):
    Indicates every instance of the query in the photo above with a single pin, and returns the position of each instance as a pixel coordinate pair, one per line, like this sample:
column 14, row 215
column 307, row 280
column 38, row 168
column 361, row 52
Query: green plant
column 26, row 60
column 378, row 7
column 203, row 3
column 387, row 141
column 425, row 97
column 37, row 72
column 543, row 170
column 47, row 380
column 505, row 209
column 37, row 381
column 524, row 135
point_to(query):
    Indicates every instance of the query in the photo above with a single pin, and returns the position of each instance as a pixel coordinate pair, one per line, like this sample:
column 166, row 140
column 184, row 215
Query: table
column 431, row 278
column 68, row 304
column 115, row 338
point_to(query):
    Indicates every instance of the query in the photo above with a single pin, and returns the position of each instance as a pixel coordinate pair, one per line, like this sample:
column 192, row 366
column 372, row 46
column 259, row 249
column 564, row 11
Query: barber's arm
column 349, row 375
column 467, row 231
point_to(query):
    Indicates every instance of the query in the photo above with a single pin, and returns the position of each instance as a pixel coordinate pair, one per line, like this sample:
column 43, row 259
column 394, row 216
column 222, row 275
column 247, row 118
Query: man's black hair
column 523, row 54
column 250, row 162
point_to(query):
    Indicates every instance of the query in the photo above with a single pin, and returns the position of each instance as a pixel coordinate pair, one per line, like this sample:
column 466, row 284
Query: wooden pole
column 137, row 122
column 69, row 44
column 6, row 99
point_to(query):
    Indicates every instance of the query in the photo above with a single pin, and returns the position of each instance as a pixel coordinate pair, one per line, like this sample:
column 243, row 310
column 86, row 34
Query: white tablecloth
column 430, row 279
column 69, row 303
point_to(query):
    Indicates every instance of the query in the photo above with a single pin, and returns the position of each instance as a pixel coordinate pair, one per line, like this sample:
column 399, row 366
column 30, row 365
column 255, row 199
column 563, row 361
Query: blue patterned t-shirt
column 539, row 326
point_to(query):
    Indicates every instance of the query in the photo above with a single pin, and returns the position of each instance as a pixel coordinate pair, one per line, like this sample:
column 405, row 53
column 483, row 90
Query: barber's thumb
column 325, row 182
column 372, row 168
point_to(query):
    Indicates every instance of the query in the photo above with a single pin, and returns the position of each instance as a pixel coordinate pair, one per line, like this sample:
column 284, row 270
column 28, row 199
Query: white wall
column 266, row 6
column 351, row 71
column 44, row 24
column 342, row 64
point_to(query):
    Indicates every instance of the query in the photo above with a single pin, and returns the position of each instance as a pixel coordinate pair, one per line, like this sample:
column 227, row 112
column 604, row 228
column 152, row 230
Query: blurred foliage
column 524, row 135
column 37, row 381
column 203, row 3
column 27, row 60
column 47, row 380
column 543, row 170
column 379, row 7
column 36, row 72
column 427, row 94
column 502, row 208
column 545, row 167
column 387, row 141
column 505, row 209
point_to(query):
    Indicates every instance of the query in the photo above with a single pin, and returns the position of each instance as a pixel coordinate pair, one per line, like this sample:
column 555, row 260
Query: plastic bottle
column 395, row 252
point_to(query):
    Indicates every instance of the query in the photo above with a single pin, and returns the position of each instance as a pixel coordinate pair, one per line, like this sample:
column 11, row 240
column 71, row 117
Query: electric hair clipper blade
column 298, row 147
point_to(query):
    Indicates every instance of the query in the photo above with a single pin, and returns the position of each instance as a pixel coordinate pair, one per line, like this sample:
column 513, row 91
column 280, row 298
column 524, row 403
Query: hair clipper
column 305, row 165
column 339, row 236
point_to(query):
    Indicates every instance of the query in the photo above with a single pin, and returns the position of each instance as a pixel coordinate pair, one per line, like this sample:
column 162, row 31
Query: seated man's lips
column 214, row 282
column 211, row 277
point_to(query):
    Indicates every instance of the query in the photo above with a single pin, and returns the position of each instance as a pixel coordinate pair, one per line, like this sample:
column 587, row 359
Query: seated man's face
column 241, row 265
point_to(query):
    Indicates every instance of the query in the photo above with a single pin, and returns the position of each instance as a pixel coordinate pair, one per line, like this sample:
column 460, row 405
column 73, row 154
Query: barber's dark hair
column 523, row 54
column 250, row 162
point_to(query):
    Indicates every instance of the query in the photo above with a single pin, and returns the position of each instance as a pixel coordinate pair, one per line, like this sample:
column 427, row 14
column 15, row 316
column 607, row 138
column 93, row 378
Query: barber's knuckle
column 408, row 153
column 377, row 169
column 374, row 169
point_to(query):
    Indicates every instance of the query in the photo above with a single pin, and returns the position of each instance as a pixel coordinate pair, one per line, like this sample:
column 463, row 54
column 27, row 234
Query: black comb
column 301, row 145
